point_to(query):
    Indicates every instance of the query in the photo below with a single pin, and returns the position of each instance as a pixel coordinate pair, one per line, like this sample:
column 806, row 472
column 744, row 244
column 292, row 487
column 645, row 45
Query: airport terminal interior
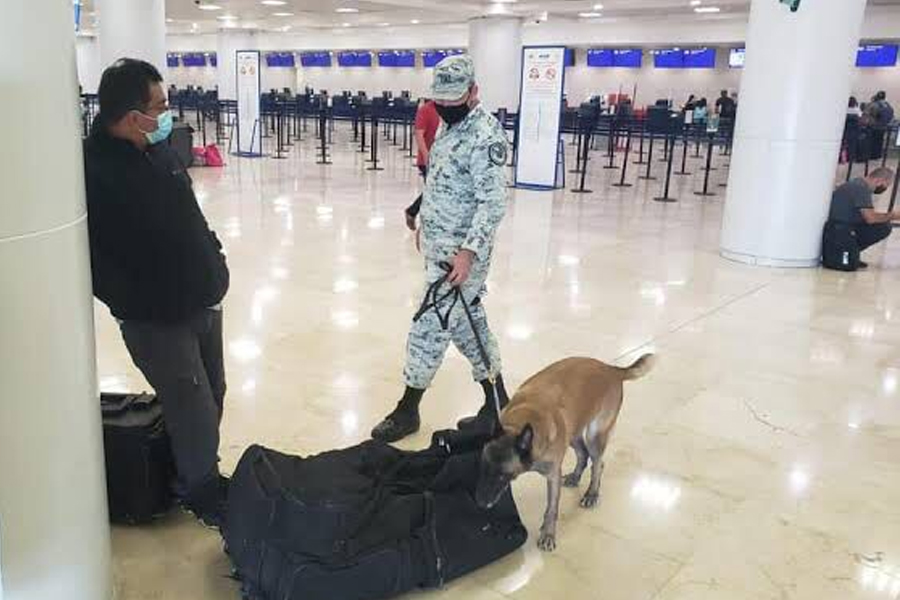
column 756, row 460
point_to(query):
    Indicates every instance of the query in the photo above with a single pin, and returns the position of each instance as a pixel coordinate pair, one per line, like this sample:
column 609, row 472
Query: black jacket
column 153, row 256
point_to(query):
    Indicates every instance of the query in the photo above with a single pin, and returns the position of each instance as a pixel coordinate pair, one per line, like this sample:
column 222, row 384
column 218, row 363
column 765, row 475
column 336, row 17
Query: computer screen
column 397, row 58
column 600, row 57
column 736, row 58
column 315, row 59
column 700, row 58
column 672, row 58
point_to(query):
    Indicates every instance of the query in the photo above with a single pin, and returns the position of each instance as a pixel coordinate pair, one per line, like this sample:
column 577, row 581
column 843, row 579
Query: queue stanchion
column 355, row 126
column 709, row 155
column 665, row 197
column 896, row 188
column 374, row 157
column 684, row 153
column 648, row 176
column 362, row 132
column 579, row 139
column 666, row 149
column 279, row 125
column 640, row 160
column 324, row 158
column 886, row 148
column 585, row 149
column 405, row 131
column 622, row 183
column 411, row 121
column 611, row 137
column 286, row 123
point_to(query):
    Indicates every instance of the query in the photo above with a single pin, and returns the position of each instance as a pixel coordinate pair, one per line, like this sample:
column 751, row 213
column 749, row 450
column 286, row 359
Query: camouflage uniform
column 464, row 202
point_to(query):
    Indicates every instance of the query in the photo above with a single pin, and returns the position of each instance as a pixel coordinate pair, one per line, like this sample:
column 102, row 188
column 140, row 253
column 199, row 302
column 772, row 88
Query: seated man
column 160, row 269
column 852, row 204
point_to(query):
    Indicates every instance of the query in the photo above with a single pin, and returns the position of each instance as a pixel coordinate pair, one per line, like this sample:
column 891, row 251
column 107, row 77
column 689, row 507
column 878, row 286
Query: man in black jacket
column 160, row 270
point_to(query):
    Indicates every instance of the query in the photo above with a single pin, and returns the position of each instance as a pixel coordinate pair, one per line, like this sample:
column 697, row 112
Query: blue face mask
column 163, row 128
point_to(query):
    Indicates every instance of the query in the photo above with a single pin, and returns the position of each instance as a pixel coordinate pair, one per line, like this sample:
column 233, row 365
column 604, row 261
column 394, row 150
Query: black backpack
column 363, row 523
column 840, row 250
column 140, row 467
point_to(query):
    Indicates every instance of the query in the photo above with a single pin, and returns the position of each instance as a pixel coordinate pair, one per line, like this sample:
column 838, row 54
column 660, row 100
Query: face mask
column 163, row 128
column 880, row 189
column 453, row 114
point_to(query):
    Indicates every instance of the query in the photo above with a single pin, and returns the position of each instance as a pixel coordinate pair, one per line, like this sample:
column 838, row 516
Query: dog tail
column 639, row 368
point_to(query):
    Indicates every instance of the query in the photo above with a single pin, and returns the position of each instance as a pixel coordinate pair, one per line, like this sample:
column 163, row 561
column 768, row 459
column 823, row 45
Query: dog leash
column 434, row 298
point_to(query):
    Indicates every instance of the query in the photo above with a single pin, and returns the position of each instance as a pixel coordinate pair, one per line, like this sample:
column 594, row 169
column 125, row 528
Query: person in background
column 427, row 123
column 701, row 111
column 465, row 200
column 852, row 204
column 880, row 117
column 161, row 271
column 726, row 106
column 853, row 142
column 689, row 105
column 853, row 109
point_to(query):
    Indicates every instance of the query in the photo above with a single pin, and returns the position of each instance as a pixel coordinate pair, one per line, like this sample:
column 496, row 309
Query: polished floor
column 758, row 461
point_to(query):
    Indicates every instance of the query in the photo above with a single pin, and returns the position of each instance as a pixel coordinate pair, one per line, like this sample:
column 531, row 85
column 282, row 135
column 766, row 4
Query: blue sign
column 355, row 59
column 315, row 59
column 193, row 59
column 281, row 59
column 397, row 58
column 668, row 59
column 431, row 58
column 625, row 58
column 600, row 57
column 877, row 55
column 700, row 58
column 172, row 60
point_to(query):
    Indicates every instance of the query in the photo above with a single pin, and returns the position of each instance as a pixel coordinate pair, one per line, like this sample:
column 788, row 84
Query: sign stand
column 540, row 117
column 249, row 138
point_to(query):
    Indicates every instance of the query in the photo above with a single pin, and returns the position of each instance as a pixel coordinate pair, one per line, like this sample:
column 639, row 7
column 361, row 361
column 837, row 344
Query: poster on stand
column 249, row 125
column 540, row 116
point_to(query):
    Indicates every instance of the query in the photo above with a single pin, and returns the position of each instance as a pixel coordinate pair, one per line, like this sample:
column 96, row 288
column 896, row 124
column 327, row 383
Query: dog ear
column 525, row 442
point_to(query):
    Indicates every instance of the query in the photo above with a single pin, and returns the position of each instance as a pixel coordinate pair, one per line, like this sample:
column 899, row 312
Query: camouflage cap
column 453, row 77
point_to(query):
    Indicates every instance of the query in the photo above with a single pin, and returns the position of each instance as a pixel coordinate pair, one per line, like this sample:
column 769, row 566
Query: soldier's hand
column 462, row 265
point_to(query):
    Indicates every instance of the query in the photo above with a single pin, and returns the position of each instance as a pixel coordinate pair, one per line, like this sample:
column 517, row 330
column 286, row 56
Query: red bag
column 208, row 157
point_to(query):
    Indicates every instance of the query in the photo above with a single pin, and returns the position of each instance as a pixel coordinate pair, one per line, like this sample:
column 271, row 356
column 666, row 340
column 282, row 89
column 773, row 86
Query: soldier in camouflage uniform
column 464, row 202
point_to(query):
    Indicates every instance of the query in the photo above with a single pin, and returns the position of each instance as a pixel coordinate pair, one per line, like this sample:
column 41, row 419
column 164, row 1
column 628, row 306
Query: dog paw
column 547, row 542
column 572, row 480
column 590, row 500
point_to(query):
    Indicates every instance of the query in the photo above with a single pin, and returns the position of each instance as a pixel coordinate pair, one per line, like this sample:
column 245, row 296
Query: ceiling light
column 600, row 6
column 707, row 9
column 345, row 24
column 226, row 17
column 170, row 20
column 209, row 7
column 589, row 15
column 384, row 24
column 283, row 14
column 696, row 2
column 274, row 2
column 415, row 21
column 346, row 10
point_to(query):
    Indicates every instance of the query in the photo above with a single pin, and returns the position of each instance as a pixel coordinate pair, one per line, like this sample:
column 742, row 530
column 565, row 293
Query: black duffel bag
column 140, row 468
column 363, row 523
column 840, row 250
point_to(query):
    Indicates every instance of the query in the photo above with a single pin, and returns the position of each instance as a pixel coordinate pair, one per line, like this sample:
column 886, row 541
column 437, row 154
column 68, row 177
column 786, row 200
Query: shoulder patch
column 497, row 153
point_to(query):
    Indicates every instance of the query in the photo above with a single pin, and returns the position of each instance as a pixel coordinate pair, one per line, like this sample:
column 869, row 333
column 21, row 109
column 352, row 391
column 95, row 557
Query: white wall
column 87, row 60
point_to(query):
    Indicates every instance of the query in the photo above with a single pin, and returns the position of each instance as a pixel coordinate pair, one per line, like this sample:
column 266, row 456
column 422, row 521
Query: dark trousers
column 868, row 235
column 184, row 364
column 414, row 208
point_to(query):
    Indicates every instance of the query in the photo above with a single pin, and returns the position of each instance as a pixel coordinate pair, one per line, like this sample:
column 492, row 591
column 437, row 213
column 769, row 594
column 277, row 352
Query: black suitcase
column 364, row 523
column 840, row 250
column 140, row 468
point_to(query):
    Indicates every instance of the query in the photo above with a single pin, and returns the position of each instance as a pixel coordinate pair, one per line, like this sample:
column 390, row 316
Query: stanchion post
column 585, row 149
column 640, row 160
column 612, row 145
column 709, row 154
column 665, row 197
column 684, row 151
column 374, row 160
column 622, row 183
column 648, row 176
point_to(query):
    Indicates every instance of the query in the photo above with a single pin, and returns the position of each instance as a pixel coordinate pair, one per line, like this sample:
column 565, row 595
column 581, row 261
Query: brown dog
column 574, row 402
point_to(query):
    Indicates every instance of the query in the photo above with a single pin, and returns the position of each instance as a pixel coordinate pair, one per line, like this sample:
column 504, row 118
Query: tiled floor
column 758, row 461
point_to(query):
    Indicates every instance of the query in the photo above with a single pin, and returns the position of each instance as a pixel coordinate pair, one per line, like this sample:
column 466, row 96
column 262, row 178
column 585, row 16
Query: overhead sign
column 249, row 127
column 540, row 113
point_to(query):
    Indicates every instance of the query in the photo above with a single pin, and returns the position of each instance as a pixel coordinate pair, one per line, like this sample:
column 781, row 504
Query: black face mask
column 880, row 189
column 453, row 114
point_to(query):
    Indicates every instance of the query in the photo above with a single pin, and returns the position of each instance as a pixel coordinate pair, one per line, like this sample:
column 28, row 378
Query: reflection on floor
column 759, row 460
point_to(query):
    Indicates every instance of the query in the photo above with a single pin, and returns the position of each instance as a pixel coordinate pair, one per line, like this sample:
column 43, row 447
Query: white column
column 54, row 532
column 495, row 44
column 87, row 54
column 229, row 42
column 132, row 29
column 793, row 102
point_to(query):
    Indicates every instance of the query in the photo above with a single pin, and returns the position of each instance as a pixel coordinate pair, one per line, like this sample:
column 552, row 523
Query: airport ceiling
column 190, row 15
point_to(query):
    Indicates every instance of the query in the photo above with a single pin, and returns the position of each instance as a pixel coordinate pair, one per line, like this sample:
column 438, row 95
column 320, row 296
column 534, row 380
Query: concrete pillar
column 229, row 42
column 54, row 532
column 793, row 102
column 495, row 44
column 132, row 29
